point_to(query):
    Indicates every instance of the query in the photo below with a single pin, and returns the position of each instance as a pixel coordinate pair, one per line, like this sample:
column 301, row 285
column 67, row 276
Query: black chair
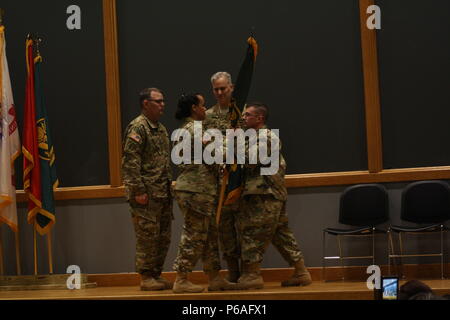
column 426, row 203
column 363, row 207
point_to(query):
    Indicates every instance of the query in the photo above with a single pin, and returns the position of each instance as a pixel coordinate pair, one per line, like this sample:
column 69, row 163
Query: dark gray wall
column 414, row 69
column 73, row 81
column 308, row 70
column 98, row 235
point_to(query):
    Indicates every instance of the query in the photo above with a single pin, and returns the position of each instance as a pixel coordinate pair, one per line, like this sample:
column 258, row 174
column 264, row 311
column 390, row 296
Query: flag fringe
column 14, row 227
column 234, row 195
column 46, row 229
column 27, row 170
column 7, row 200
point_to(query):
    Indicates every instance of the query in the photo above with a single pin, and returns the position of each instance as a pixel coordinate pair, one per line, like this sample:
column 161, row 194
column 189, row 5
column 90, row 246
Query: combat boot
column 233, row 269
column 251, row 279
column 300, row 277
column 148, row 283
column 167, row 283
column 217, row 283
column 183, row 285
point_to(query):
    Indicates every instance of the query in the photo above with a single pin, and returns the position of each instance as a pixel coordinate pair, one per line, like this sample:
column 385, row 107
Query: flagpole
column 2, row 271
column 18, row 268
column 49, row 247
column 222, row 196
column 35, row 250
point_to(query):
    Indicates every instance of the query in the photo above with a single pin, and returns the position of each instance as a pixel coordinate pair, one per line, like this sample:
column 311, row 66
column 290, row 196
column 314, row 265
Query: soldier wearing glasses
column 147, row 178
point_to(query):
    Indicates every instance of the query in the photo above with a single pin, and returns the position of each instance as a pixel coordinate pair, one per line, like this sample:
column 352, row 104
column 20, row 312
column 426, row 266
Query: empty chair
column 362, row 207
column 426, row 203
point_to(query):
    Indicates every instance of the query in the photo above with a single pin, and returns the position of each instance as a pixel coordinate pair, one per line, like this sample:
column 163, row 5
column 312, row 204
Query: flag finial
column 2, row 14
column 39, row 40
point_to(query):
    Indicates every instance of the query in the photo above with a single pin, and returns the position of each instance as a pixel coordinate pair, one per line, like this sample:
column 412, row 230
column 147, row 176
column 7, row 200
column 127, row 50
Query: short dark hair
column 261, row 108
column 146, row 94
column 184, row 107
column 413, row 288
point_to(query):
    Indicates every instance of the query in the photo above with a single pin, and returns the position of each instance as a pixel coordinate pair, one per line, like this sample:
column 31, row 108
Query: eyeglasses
column 159, row 101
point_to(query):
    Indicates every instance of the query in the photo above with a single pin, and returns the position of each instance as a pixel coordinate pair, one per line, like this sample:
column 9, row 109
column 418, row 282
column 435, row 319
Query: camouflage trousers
column 152, row 225
column 228, row 235
column 263, row 220
column 199, row 238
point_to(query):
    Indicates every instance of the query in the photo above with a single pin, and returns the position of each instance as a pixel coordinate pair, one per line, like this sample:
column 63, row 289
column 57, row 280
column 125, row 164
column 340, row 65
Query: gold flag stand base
column 43, row 282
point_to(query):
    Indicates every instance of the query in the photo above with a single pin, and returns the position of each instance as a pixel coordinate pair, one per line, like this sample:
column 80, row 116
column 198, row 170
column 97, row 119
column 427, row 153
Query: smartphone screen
column 390, row 288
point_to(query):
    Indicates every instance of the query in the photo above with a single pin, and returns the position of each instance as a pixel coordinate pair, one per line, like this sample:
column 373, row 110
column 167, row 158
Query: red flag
column 31, row 163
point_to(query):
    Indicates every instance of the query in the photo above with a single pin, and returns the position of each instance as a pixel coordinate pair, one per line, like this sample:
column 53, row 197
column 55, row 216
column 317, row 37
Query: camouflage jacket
column 255, row 183
column 222, row 122
column 216, row 120
column 146, row 159
column 198, row 178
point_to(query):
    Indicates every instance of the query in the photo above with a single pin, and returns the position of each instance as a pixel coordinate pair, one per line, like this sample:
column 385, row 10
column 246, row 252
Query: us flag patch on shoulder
column 135, row 137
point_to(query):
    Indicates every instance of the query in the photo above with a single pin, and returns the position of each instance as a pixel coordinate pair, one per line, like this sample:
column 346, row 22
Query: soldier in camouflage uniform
column 219, row 117
column 196, row 192
column 263, row 218
column 147, row 178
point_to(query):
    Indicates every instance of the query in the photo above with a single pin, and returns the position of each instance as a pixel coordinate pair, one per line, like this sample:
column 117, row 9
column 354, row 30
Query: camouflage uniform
column 146, row 170
column 229, row 239
column 263, row 218
column 196, row 193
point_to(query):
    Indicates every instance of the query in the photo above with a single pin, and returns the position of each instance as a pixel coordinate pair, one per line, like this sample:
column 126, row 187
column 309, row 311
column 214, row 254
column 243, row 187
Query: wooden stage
column 126, row 287
column 272, row 291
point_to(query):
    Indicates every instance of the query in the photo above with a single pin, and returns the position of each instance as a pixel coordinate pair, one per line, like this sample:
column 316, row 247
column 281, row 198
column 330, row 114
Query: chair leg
column 402, row 274
column 391, row 249
column 340, row 257
column 373, row 246
column 388, row 251
column 323, row 257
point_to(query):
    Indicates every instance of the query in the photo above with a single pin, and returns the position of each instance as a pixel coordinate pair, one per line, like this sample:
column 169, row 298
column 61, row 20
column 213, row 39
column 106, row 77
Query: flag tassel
column 50, row 256
column 18, row 268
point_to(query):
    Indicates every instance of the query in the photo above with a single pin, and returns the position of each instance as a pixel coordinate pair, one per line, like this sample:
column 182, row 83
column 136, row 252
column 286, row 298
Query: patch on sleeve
column 135, row 137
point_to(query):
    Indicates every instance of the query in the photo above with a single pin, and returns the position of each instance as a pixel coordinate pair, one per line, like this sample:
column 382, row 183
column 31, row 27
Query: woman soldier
column 196, row 192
